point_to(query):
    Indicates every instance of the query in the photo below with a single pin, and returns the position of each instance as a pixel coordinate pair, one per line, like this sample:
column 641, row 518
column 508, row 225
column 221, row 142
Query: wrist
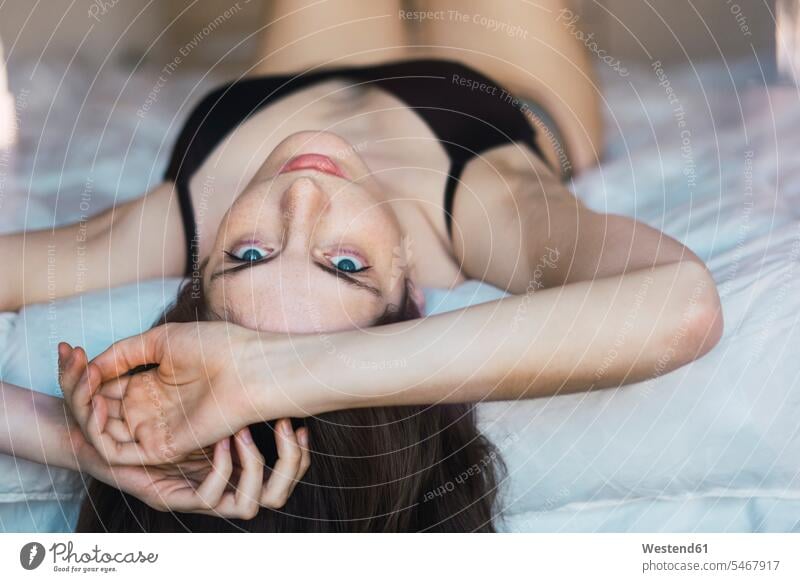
column 77, row 453
column 270, row 379
column 296, row 376
column 343, row 370
column 73, row 445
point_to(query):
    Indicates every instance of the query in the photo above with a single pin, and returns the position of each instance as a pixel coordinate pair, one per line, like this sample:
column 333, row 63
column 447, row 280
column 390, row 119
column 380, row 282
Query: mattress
column 708, row 153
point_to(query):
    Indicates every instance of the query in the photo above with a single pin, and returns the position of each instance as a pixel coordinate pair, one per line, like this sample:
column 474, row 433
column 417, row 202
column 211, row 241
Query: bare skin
column 510, row 211
column 302, row 34
column 210, row 481
column 532, row 54
column 151, row 226
column 527, row 233
column 535, row 58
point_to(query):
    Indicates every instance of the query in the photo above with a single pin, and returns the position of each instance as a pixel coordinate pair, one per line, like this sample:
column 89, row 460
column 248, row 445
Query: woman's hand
column 202, row 390
column 203, row 481
column 220, row 485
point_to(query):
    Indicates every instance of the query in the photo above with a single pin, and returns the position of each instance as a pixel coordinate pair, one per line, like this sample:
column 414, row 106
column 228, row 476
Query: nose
column 303, row 204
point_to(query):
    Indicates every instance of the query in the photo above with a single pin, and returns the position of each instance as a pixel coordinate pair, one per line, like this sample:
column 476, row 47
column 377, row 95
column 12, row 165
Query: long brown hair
column 391, row 469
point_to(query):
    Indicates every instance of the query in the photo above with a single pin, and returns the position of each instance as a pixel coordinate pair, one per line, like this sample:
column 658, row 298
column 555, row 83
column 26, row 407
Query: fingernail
column 246, row 437
column 226, row 444
column 302, row 436
column 286, row 427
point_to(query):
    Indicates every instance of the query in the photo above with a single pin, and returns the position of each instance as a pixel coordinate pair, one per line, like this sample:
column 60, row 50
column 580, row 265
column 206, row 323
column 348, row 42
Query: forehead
column 292, row 300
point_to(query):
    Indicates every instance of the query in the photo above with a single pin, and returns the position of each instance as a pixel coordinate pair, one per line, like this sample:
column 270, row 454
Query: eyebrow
column 330, row 270
column 348, row 279
column 242, row 267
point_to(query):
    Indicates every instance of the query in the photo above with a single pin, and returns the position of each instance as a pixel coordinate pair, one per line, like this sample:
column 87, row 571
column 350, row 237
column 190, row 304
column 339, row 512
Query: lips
column 316, row 162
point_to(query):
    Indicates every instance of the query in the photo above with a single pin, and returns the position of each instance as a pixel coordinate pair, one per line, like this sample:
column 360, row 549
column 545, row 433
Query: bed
column 708, row 152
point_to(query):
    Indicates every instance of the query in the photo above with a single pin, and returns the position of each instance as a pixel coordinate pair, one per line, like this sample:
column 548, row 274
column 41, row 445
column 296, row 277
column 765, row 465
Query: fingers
column 115, row 389
column 108, row 435
column 111, row 437
column 115, row 409
column 117, row 429
column 215, row 496
column 67, row 370
column 98, row 417
column 73, row 362
column 70, row 365
column 71, row 371
column 243, row 503
column 184, row 495
column 282, row 480
column 64, row 350
column 210, row 492
column 305, row 456
column 251, row 493
column 131, row 352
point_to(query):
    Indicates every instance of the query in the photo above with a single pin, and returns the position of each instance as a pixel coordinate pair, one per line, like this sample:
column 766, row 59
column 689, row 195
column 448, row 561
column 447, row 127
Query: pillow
column 28, row 358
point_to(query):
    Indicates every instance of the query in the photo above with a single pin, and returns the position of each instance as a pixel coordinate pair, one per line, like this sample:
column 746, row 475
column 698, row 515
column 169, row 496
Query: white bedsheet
column 713, row 446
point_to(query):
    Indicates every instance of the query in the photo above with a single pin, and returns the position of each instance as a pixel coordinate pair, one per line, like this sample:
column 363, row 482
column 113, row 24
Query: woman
column 373, row 469
column 323, row 201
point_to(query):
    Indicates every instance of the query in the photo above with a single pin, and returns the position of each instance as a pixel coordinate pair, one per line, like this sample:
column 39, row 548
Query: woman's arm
column 595, row 307
column 591, row 334
column 215, row 377
column 528, row 232
column 137, row 240
column 601, row 300
column 37, row 427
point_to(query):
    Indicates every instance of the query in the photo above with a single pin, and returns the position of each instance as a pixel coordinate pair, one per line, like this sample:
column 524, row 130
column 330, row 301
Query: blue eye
column 247, row 254
column 348, row 263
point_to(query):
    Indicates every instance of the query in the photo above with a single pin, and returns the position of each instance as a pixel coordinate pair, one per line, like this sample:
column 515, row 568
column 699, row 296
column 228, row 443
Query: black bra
column 468, row 112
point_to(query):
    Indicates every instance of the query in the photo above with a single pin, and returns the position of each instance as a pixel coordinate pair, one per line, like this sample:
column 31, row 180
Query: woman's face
column 309, row 245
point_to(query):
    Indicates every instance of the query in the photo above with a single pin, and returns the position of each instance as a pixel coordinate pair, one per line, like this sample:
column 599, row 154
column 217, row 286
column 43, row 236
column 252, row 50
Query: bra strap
column 453, row 180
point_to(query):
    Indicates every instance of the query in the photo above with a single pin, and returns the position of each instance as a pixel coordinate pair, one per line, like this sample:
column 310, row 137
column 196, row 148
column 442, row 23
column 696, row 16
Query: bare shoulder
column 495, row 191
column 504, row 194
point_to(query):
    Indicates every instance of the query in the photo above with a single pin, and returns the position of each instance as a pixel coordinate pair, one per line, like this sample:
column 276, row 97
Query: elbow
column 697, row 323
column 715, row 322
column 705, row 326
column 703, row 311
